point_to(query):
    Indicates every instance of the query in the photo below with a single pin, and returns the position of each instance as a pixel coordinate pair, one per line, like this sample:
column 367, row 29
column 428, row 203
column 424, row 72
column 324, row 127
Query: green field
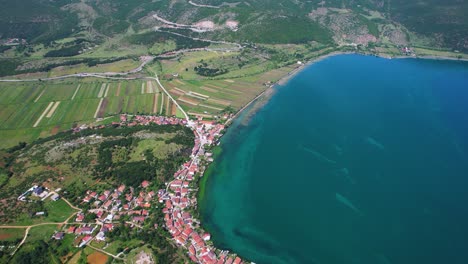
column 57, row 212
column 43, row 232
column 11, row 234
column 38, row 109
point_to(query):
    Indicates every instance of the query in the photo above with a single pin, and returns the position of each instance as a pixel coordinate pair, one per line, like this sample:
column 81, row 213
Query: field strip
column 155, row 87
column 210, row 85
column 40, row 95
column 199, row 94
column 107, row 90
column 43, row 114
column 230, row 91
column 168, row 105
column 195, row 96
column 229, row 81
column 149, row 87
column 118, row 90
column 162, row 103
column 179, row 82
column 101, row 92
column 174, row 109
column 155, row 102
column 76, row 91
column 98, row 107
column 142, row 88
column 209, row 89
column 52, row 111
column 198, row 114
column 187, row 101
column 220, row 101
column 180, row 90
column 176, row 92
column 211, row 107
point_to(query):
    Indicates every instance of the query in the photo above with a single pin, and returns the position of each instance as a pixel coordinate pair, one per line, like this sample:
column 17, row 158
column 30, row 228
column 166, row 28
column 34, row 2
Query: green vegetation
column 13, row 234
column 34, row 252
column 57, row 38
column 66, row 161
column 150, row 38
column 23, row 104
column 279, row 30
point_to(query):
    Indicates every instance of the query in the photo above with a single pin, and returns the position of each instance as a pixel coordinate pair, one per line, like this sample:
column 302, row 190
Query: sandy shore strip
column 43, row 114
column 40, row 95
column 52, row 111
column 76, row 91
column 98, row 107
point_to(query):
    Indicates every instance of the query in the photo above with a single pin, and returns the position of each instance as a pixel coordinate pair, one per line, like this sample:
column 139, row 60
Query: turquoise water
column 355, row 160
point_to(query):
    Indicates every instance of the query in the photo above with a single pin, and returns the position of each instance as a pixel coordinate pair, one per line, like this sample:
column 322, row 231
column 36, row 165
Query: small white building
column 55, row 197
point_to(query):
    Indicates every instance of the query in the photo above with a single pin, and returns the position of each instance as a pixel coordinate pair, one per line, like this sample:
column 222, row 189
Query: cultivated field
column 37, row 109
column 210, row 96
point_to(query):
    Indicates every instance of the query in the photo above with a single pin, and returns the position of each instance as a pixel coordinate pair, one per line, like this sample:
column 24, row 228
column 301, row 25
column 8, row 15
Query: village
column 132, row 206
column 179, row 195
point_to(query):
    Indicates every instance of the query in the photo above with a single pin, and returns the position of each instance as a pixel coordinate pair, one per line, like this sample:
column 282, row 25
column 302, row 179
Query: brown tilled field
column 97, row 258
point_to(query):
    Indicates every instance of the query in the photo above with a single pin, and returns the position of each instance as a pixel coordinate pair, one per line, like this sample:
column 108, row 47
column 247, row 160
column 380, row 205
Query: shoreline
column 282, row 81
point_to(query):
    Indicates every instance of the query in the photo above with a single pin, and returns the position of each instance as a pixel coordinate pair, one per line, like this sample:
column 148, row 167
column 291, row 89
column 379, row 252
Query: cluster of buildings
column 40, row 192
column 179, row 197
column 407, row 51
column 146, row 120
column 13, row 42
column 113, row 205
column 109, row 206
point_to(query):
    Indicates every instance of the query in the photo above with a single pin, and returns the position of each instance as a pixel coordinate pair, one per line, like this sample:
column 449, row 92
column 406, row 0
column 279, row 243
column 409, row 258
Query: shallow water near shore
column 356, row 159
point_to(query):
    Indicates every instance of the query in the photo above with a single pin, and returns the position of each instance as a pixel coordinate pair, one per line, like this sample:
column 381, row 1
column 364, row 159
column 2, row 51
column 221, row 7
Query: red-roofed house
column 145, row 184
column 79, row 218
column 71, row 229
column 206, row 236
column 192, row 250
column 85, row 240
column 121, row 188
column 138, row 219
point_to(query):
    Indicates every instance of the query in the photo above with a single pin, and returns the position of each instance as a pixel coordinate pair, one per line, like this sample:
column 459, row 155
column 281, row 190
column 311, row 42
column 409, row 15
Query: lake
column 357, row 159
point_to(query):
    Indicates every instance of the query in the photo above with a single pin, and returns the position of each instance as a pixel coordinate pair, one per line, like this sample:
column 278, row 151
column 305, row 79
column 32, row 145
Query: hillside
column 131, row 162
column 80, row 28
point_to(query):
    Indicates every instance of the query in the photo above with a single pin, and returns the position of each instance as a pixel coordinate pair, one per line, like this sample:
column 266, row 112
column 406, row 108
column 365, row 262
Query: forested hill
column 428, row 23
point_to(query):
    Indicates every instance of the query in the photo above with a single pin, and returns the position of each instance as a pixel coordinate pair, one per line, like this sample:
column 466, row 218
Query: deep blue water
column 356, row 159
